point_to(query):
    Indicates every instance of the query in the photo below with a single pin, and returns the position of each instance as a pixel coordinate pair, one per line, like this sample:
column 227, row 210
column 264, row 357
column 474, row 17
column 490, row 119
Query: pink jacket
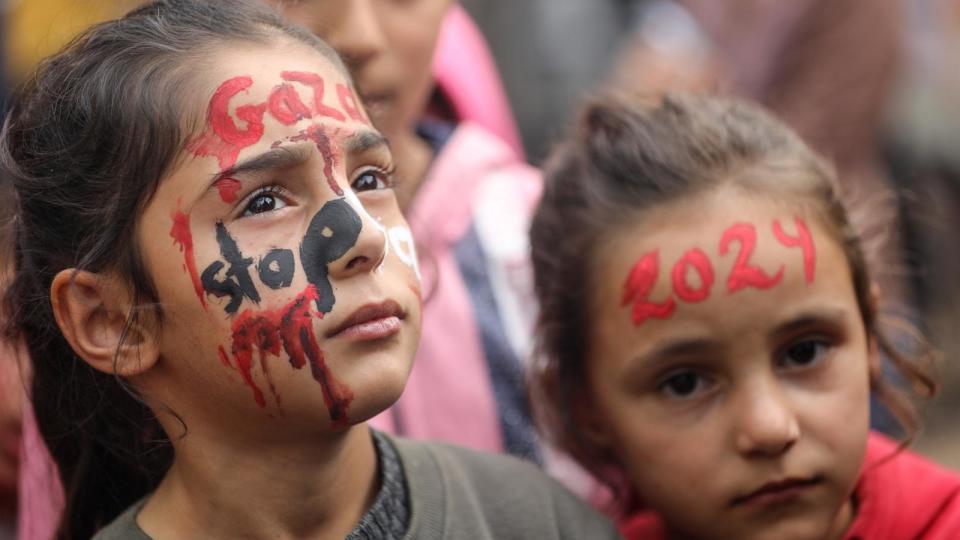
column 471, row 217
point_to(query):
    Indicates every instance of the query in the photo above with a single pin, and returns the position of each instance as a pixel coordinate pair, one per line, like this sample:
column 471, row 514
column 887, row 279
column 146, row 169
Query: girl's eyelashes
column 267, row 199
column 370, row 179
column 804, row 354
column 683, row 384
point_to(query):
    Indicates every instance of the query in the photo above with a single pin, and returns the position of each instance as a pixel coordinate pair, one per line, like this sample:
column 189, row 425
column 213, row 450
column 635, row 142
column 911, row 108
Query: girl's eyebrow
column 364, row 140
column 682, row 347
column 275, row 158
column 829, row 315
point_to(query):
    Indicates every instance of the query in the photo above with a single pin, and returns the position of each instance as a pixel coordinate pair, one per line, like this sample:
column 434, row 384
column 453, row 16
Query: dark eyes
column 272, row 198
column 267, row 200
column 799, row 356
column 683, row 384
column 371, row 179
column 804, row 353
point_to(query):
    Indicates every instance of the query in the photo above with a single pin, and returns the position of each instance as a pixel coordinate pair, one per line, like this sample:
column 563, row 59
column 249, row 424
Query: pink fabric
column 902, row 496
column 448, row 395
column 41, row 494
column 465, row 71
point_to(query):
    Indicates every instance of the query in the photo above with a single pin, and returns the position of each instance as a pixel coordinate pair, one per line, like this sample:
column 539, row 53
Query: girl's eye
column 370, row 180
column 683, row 384
column 263, row 202
column 804, row 353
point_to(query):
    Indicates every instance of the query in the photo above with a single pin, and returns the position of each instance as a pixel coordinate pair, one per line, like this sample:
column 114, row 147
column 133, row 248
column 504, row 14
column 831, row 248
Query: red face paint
column 320, row 138
column 698, row 260
column 743, row 273
column 316, row 82
column 285, row 105
column 180, row 232
column 290, row 327
column 228, row 188
column 349, row 103
column 224, row 359
column 803, row 240
column 223, row 139
column 642, row 279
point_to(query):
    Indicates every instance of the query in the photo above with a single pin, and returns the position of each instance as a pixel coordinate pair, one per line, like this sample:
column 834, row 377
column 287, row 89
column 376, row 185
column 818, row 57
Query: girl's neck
column 216, row 491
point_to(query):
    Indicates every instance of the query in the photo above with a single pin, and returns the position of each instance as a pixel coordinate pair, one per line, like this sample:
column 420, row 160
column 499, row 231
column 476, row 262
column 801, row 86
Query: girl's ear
column 91, row 310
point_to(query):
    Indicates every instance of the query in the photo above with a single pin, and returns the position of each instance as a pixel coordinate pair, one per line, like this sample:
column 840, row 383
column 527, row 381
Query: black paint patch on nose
column 343, row 225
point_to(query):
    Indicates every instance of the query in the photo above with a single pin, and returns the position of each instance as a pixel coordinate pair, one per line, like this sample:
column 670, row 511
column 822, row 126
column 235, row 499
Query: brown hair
column 625, row 157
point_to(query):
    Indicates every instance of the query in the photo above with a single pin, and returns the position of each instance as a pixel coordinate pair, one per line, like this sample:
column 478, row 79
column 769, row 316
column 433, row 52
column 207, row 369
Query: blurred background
column 872, row 84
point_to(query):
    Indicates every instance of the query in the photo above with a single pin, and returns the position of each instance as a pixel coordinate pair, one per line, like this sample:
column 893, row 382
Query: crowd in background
column 870, row 83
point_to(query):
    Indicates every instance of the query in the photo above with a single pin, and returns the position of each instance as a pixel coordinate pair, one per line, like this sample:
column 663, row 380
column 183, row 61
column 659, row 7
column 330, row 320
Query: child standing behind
column 710, row 337
column 468, row 198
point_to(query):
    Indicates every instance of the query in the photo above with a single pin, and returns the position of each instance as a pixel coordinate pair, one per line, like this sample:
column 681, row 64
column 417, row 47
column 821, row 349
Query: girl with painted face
column 709, row 338
column 468, row 198
column 217, row 289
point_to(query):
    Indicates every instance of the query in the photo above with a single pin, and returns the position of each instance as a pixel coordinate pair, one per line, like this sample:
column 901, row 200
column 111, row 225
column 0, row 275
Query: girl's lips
column 370, row 322
column 371, row 330
column 777, row 492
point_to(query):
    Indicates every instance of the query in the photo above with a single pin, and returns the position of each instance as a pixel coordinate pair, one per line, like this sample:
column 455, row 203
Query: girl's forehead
column 715, row 259
column 259, row 98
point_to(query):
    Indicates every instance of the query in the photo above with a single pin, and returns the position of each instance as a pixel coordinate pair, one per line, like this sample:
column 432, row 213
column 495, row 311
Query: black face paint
column 332, row 232
column 276, row 268
column 237, row 282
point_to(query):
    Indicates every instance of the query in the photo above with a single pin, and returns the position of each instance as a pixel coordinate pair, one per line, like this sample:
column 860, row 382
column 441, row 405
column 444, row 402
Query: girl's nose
column 766, row 423
column 359, row 37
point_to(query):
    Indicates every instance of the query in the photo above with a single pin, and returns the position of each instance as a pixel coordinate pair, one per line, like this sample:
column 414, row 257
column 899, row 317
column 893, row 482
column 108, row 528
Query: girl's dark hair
column 625, row 157
column 85, row 145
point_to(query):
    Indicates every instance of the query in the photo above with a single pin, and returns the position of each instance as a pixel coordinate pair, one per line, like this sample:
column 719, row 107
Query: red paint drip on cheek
column 180, row 232
column 228, row 188
column 320, row 138
column 290, row 327
column 224, row 359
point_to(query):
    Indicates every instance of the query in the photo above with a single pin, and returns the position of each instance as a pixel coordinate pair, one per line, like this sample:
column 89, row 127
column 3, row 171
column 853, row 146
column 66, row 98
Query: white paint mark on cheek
column 402, row 242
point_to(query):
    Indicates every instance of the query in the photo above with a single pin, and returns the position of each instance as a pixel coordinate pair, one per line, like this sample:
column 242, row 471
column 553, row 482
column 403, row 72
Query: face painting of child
column 729, row 368
column 282, row 262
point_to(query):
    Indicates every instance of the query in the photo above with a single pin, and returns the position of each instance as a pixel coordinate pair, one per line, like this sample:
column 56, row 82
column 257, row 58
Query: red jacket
column 902, row 496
